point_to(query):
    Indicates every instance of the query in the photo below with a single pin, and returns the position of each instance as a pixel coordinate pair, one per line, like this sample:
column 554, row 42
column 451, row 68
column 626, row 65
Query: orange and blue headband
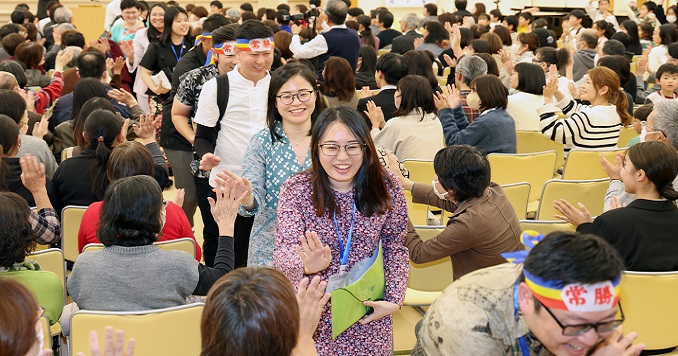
column 576, row 297
column 205, row 35
column 255, row 45
column 225, row 48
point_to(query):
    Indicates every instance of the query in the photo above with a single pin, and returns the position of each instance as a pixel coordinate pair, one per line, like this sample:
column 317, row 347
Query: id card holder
column 335, row 280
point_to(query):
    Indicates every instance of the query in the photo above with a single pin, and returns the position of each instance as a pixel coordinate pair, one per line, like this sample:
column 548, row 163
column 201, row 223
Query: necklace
column 297, row 142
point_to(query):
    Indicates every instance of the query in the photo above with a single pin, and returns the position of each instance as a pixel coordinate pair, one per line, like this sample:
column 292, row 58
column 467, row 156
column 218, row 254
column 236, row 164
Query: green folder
column 365, row 281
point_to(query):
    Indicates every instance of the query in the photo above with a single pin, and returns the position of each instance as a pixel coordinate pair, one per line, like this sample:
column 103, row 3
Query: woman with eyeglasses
column 335, row 215
column 644, row 231
column 278, row 152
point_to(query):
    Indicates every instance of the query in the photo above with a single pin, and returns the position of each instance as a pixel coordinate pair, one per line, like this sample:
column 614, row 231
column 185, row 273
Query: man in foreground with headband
column 564, row 300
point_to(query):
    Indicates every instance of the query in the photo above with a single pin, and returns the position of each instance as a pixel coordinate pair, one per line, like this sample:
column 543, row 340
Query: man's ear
column 525, row 298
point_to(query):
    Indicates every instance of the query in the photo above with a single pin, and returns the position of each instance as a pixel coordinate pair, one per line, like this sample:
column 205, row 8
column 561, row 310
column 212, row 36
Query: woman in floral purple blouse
column 345, row 195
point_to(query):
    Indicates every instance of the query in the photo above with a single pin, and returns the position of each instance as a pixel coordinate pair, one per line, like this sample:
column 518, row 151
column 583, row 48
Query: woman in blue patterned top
column 278, row 152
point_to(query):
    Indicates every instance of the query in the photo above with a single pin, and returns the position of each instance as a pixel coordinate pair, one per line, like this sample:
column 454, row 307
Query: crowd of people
column 286, row 128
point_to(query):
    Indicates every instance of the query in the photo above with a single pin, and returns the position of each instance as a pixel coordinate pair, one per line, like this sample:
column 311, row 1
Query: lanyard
column 344, row 250
column 522, row 341
column 181, row 51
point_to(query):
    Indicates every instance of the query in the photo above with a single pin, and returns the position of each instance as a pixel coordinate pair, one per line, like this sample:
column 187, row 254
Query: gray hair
column 63, row 14
column 471, row 67
column 412, row 20
column 233, row 13
column 336, row 11
column 666, row 120
column 73, row 63
column 65, row 26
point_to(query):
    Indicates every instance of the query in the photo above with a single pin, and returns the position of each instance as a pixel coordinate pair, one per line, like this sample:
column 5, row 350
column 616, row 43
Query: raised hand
column 440, row 101
column 123, row 96
column 41, row 128
column 571, row 214
column 179, row 198
column 118, row 64
column 550, row 89
column 244, row 185
column 62, row 59
column 225, row 208
column 209, row 161
column 418, row 41
column 32, row 174
column 127, row 49
column 313, row 254
column 612, row 170
column 146, row 129
column 375, row 115
column 365, row 92
column 453, row 98
column 452, row 62
column 311, row 298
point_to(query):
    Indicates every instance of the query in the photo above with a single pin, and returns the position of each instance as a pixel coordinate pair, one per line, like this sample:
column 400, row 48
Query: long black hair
column 9, row 134
column 102, row 127
column 152, row 33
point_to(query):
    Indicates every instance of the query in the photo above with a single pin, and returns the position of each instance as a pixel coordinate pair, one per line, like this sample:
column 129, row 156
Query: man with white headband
column 244, row 116
column 561, row 299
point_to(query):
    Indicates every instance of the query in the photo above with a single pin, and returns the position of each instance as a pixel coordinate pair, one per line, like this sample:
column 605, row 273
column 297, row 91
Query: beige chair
column 71, row 216
column 185, row 244
column 585, row 164
column 650, row 308
column 625, row 135
column 169, row 331
column 427, row 280
column 591, row 193
column 518, row 194
column 418, row 213
column 383, row 51
column 546, row 226
column 66, row 153
column 534, row 141
column 52, row 260
column 421, row 171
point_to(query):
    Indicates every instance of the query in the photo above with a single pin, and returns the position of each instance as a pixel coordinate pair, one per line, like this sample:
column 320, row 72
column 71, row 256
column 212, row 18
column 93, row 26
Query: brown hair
column 250, row 311
column 128, row 159
column 200, row 12
column 18, row 312
column 530, row 39
column 606, row 77
column 11, row 42
column 282, row 40
column 659, row 160
column 338, row 79
column 30, row 54
column 17, row 238
column 494, row 40
column 504, row 34
column 491, row 91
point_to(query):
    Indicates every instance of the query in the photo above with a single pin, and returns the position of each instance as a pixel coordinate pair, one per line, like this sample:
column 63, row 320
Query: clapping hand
column 365, row 92
column 375, row 115
column 506, row 60
column 418, row 41
column 452, row 62
column 574, row 91
column 244, row 185
column 311, row 298
column 209, row 161
column 118, row 64
column 225, row 208
column 612, row 170
column 123, row 96
column 146, row 129
column 453, row 98
column 111, row 348
column 571, row 214
column 550, row 89
column 126, row 48
column 41, row 128
column 313, row 254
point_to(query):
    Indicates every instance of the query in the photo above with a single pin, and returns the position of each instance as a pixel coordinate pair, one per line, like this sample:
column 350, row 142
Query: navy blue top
column 494, row 131
column 341, row 42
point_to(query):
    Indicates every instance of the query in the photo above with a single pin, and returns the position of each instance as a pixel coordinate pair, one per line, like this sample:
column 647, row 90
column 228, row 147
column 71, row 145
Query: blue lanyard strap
column 181, row 51
column 343, row 251
column 522, row 341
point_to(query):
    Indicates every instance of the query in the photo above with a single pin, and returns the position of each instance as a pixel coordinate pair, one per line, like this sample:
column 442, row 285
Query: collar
column 486, row 111
column 463, row 205
column 653, row 205
column 343, row 25
column 389, row 86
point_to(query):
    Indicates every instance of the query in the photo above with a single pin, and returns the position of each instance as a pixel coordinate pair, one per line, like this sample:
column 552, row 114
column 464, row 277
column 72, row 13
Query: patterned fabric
column 191, row 85
column 27, row 265
column 470, row 113
column 46, row 226
column 121, row 34
column 267, row 165
column 297, row 214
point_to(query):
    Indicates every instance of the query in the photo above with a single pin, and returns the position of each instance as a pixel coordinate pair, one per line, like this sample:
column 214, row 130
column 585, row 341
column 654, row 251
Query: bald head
column 8, row 81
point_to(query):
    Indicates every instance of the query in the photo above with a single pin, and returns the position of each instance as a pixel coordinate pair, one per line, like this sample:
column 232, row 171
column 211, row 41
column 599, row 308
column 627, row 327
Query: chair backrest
column 546, row 226
column 66, row 153
column 534, row 168
column 650, row 309
column 432, row 276
column 585, row 164
column 169, row 331
column 46, row 334
column 418, row 213
column 421, row 171
column 51, row 260
column 71, row 216
column 185, row 244
column 518, row 195
column 534, row 141
column 625, row 135
column 591, row 193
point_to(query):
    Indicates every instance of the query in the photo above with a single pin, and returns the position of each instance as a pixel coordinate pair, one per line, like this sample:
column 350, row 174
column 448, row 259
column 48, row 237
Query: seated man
column 564, row 301
column 483, row 224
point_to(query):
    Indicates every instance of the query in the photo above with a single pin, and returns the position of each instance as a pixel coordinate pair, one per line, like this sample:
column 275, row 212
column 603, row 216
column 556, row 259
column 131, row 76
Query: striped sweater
column 585, row 127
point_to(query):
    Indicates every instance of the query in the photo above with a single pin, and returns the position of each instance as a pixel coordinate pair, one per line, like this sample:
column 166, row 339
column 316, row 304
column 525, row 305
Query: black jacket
column 384, row 100
column 404, row 43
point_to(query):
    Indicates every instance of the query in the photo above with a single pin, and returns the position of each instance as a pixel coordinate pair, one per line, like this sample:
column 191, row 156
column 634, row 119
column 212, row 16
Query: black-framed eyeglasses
column 580, row 329
column 536, row 61
column 302, row 95
column 332, row 149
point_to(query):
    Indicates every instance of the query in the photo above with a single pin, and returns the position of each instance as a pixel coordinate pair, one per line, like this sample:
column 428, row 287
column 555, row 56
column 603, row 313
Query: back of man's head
column 666, row 120
column 252, row 29
column 18, row 17
column 614, row 47
column 569, row 257
column 63, row 15
column 393, row 67
column 7, row 81
column 224, row 34
column 91, row 64
column 471, row 67
column 214, row 21
column 460, row 4
column 412, row 21
column 386, row 18
column 589, row 37
column 336, row 11
column 355, row 11
column 233, row 14
column 463, row 169
column 246, row 7
column 15, row 68
column 12, row 105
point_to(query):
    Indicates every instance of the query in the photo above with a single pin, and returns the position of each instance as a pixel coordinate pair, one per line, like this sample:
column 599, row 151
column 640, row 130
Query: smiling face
column 130, row 15
column 298, row 112
column 589, row 92
column 226, row 63
column 157, row 17
column 180, row 26
column 254, row 65
column 628, row 174
column 342, row 168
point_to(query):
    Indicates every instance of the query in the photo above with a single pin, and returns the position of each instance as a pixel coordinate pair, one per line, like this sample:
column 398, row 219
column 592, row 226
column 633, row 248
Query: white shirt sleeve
column 311, row 49
column 112, row 10
column 208, row 109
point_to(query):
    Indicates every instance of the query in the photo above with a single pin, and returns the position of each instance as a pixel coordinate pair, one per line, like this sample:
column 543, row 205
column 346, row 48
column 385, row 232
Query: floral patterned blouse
column 297, row 214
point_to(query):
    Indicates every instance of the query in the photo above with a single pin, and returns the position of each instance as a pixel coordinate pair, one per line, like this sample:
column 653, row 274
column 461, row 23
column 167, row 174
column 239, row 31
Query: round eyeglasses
column 302, row 95
column 332, row 149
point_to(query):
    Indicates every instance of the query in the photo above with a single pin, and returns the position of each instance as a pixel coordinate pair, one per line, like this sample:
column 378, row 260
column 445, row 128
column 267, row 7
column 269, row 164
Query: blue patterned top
column 267, row 165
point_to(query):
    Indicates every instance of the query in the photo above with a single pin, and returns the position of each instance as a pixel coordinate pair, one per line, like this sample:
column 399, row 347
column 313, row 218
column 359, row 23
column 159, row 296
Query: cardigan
column 468, row 239
column 410, row 136
column 493, row 131
column 644, row 233
column 45, row 286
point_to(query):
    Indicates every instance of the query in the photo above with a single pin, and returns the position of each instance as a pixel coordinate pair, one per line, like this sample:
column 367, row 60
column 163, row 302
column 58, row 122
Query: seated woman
column 414, row 131
column 529, row 80
column 32, row 55
column 462, row 186
column 590, row 126
column 644, row 232
column 82, row 180
column 131, row 159
column 547, row 56
column 419, row 63
column 272, row 322
column 493, row 131
column 131, row 273
column 338, row 86
column 436, row 38
column 20, row 313
column 367, row 65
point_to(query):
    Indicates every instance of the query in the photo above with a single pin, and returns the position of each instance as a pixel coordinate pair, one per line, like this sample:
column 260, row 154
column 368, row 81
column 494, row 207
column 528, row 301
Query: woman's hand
column 209, row 161
column 62, row 59
column 244, row 185
column 127, row 49
column 146, row 129
column 614, row 203
column 365, row 92
column 111, row 348
column 123, row 96
column 381, row 308
column 506, row 60
column 225, row 208
column 550, row 90
column 41, row 128
column 571, row 214
column 311, row 298
column 375, row 115
column 440, row 101
column 574, row 91
column 612, row 170
column 418, row 41
column 118, row 64
column 451, row 62
column 313, row 254
column 453, row 98
column 32, row 174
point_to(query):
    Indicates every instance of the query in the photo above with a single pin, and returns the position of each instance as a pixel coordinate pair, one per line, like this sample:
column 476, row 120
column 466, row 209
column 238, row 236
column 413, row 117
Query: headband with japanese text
column 255, row 45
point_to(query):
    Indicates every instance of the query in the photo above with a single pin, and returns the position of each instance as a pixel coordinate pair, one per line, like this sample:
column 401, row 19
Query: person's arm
column 180, row 117
column 557, row 129
column 591, row 10
column 423, row 194
column 455, row 238
column 52, row 92
column 456, row 128
column 140, row 43
column 45, row 223
column 311, row 298
column 311, row 49
column 207, row 118
column 291, row 225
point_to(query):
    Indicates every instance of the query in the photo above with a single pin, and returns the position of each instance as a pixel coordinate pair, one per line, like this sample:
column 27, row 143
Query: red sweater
column 176, row 226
